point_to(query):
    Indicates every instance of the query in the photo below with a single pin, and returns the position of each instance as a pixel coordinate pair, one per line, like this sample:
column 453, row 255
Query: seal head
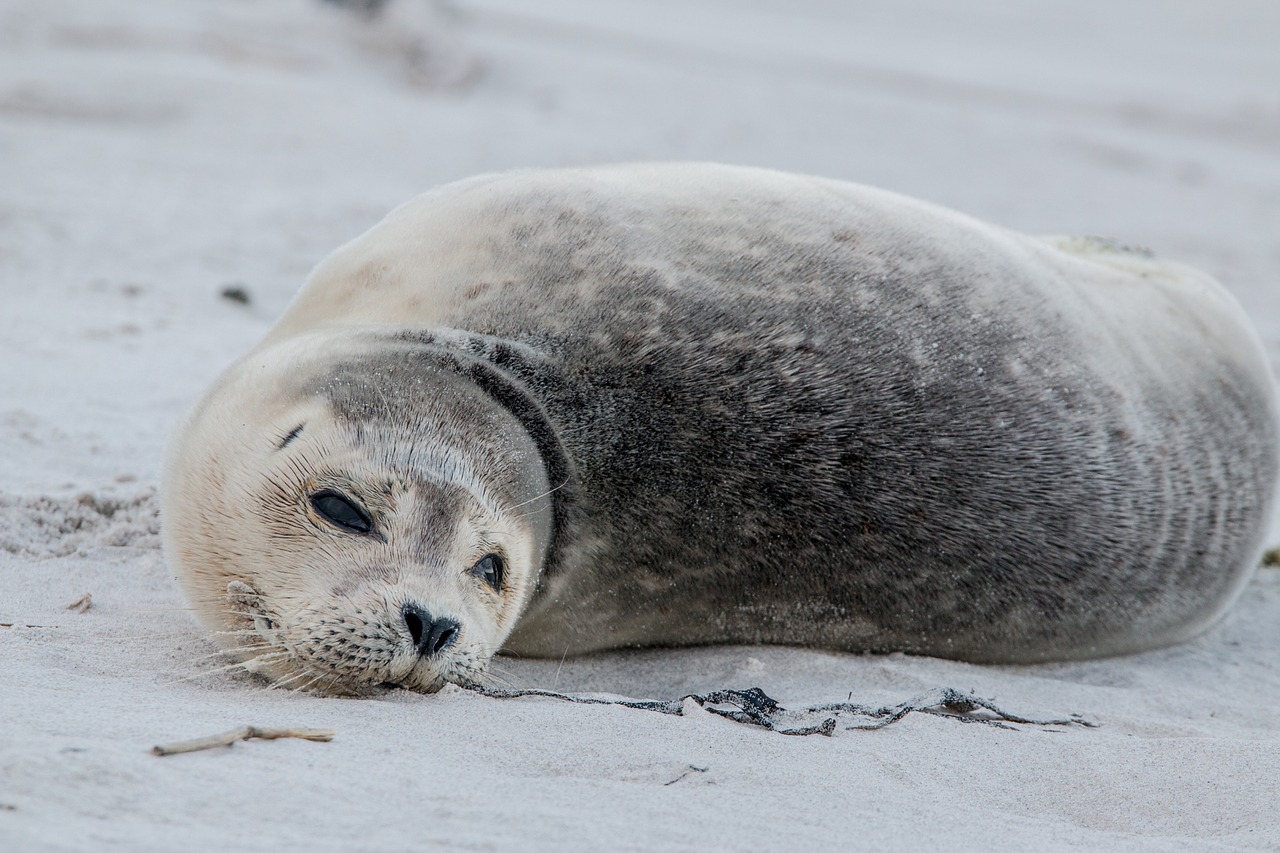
column 353, row 513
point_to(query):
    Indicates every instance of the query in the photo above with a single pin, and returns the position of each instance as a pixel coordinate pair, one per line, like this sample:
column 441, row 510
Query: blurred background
column 158, row 154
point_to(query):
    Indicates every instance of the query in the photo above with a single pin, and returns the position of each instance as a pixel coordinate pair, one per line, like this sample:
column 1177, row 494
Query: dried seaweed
column 756, row 708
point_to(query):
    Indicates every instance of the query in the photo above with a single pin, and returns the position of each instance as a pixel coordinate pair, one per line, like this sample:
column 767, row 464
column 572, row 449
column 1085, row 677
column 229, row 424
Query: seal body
column 690, row 404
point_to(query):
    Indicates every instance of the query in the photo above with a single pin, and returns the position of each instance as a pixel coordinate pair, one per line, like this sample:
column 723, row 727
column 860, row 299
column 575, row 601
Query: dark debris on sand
column 756, row 708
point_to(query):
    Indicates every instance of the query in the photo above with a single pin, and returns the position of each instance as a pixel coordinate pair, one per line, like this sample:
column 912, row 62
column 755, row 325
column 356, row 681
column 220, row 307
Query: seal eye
column 341, row 512
column 489, row 568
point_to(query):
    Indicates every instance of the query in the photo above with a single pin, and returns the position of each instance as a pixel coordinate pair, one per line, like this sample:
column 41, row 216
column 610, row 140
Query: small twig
column 23, row 625
column 82, row 604
column 242, row 733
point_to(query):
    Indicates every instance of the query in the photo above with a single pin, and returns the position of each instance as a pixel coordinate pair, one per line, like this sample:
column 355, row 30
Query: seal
column 554, row 412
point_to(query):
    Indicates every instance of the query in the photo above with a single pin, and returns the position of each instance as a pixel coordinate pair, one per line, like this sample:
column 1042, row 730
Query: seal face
column 562, row 411
column 358, row 533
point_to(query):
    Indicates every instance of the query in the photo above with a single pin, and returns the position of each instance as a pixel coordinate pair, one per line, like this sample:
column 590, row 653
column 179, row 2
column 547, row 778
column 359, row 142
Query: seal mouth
column 340, row 654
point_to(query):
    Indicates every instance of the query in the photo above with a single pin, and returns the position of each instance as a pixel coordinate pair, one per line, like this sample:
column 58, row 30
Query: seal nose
column 430, row 635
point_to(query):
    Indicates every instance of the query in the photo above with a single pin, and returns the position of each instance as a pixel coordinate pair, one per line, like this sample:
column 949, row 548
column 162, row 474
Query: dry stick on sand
column 242, row 733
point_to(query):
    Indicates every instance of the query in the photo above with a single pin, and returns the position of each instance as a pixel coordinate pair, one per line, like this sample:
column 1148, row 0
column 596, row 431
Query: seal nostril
column 413, row 621
column 430, row 635
column 442, row 635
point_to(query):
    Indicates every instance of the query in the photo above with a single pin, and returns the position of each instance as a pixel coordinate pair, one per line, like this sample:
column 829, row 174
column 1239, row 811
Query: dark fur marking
column 288, row 439
column 497, row 367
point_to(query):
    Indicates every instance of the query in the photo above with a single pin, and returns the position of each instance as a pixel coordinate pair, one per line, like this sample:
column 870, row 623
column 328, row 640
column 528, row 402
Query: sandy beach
column 170, row 172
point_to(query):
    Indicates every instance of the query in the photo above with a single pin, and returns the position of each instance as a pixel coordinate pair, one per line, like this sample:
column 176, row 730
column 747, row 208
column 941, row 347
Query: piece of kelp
column 756, row 708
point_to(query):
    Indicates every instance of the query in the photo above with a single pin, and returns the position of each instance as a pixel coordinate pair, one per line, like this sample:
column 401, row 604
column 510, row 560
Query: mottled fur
column 772, row 409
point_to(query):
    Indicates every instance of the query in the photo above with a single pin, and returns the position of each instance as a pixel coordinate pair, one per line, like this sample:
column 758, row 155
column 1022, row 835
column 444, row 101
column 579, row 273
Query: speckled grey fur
column 824, row 421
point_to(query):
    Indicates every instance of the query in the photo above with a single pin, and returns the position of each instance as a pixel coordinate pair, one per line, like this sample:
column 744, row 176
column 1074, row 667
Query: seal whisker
column 556, row 680
column 488, row 678
column 547, row 493
column 241, row 665
column 284, row 683
column 232, row 651
column 308, row 685
column 489, row 665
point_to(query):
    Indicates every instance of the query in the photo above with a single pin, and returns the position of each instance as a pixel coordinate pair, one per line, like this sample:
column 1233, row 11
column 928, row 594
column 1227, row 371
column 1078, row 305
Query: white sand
column 152, row 152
